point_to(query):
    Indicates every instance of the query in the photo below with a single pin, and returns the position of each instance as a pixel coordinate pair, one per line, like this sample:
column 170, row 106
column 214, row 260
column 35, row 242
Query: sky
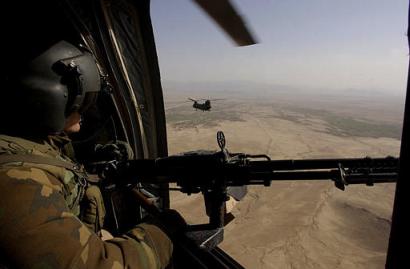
column 322, row 44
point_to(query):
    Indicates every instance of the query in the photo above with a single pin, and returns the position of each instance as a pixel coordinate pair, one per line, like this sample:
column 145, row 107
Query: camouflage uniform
column 39, row 224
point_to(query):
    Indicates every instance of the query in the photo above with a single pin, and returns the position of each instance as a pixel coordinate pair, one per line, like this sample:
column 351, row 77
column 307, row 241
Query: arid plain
column 304, row 224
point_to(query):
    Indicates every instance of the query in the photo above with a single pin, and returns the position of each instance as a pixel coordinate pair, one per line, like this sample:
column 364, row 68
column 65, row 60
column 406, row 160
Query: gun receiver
column 213, row 172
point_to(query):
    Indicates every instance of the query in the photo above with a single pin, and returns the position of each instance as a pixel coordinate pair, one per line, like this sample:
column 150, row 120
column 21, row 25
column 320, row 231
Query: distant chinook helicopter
column 206, row 106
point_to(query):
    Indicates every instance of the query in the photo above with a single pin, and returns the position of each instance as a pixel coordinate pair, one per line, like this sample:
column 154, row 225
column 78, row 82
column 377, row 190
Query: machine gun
column 212, row 173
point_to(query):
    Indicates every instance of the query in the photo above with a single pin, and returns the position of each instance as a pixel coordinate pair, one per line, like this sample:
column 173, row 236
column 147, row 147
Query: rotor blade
column 171, row 107
column 176, row 102
column 168, row 106
column 193, row 100
column 174, row 107
column 225, row 15
column 217, row 99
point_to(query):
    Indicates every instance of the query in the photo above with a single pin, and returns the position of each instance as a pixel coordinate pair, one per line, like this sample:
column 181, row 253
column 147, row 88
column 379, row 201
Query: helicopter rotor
column 229, row 19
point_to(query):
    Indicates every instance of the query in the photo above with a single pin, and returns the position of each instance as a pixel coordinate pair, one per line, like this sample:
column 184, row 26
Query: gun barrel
column 354, row 178
column 276, row 165
column 212, row 170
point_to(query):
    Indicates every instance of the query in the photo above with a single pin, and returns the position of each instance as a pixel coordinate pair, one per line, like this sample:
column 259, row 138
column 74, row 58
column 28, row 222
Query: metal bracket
column 340, row 181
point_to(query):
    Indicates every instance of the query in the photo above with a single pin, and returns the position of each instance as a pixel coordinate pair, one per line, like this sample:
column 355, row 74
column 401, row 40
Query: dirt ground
column 304, row 224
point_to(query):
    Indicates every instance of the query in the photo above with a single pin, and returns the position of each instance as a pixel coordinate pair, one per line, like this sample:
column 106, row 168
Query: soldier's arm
column 38, row 231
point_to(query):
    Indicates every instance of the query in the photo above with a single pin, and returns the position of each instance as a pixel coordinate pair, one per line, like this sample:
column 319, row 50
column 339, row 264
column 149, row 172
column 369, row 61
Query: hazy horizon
column 251, row 88
column 317, row 44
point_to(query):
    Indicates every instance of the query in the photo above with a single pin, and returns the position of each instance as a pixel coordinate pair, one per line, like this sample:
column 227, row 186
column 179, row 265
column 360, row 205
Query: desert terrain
column 304, row 224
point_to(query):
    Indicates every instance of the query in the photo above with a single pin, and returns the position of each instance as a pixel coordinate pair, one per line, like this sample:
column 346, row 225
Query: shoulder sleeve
column 38, row 231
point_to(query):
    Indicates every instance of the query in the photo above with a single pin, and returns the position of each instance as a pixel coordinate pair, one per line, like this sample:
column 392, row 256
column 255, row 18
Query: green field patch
column 341, row 125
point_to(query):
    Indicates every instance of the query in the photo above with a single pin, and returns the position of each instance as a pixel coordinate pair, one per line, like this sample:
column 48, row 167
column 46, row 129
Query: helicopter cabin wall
column 397, row 254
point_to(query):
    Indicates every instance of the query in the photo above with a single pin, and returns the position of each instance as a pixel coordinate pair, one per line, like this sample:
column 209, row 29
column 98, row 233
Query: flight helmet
column 38, row 96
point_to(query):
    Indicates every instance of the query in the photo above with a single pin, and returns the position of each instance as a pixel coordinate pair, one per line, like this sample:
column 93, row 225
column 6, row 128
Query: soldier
column 41, row 188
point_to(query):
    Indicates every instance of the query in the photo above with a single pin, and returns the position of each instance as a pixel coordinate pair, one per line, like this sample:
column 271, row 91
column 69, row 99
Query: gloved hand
column 119, row 151
column 169, row 221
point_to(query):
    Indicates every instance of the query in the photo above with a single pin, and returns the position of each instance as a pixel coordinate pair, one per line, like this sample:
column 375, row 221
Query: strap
column 28, row 158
